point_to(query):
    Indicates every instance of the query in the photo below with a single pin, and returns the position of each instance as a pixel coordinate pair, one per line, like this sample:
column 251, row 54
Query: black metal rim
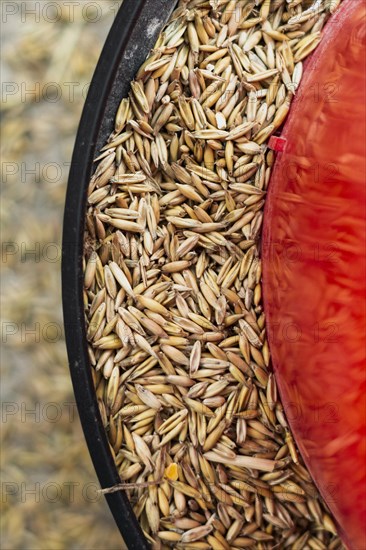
column 133, row 33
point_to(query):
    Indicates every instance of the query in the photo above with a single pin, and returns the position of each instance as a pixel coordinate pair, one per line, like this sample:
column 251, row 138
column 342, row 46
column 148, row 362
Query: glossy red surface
column 314, row 269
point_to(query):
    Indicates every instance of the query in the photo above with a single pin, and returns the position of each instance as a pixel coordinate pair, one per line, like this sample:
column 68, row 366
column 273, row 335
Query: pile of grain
column 176, row 327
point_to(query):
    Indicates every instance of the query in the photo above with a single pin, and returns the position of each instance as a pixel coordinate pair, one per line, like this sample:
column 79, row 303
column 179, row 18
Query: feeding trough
column 315, row 205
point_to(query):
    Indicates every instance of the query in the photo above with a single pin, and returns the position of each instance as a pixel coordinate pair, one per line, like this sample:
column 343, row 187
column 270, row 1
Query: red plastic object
column 314, row 269
column 277, row 143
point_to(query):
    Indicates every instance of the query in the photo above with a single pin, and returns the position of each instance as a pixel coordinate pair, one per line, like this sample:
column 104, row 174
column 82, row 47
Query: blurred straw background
column 49, row 499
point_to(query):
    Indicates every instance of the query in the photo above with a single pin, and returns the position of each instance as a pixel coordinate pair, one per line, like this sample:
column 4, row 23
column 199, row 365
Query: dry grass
column 35, row 370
